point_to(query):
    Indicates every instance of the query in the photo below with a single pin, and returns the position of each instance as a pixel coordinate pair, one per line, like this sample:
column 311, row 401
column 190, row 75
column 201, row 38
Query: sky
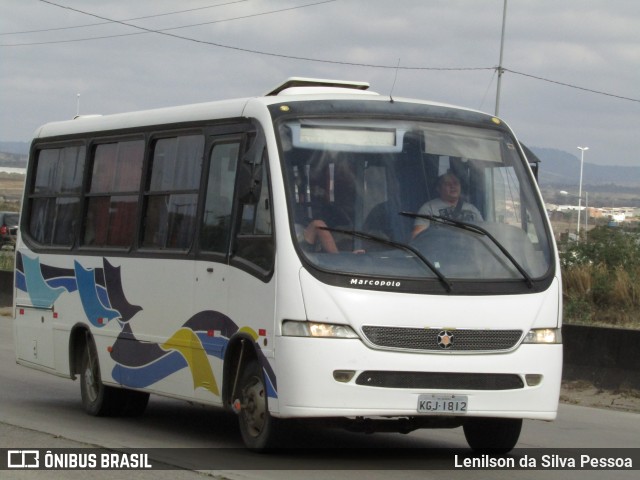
column 571, row 78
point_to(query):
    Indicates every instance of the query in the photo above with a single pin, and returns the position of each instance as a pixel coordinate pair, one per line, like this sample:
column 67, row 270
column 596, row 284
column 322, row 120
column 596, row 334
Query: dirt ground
column 11, row 186
column 580, row 392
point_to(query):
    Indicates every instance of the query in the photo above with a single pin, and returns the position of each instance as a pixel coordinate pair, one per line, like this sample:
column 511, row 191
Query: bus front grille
column 440, row 380
column 441, row 339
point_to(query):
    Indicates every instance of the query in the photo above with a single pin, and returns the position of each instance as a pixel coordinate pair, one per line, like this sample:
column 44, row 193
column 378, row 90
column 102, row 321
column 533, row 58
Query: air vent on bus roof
column 299, row 84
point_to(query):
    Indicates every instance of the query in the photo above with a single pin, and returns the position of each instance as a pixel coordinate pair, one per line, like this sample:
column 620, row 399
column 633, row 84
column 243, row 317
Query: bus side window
column 112, row 199
column 55, row 195
column 216, row 221
column 171, row 198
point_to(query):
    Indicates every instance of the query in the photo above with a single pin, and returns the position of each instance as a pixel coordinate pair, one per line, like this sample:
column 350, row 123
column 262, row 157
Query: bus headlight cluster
column 291, row 328
column 544, row 335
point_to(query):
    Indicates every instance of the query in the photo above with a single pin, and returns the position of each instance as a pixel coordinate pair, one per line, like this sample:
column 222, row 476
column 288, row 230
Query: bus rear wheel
column 258, row 428
column 101, row 400
column 492, row 435
column 97, row 399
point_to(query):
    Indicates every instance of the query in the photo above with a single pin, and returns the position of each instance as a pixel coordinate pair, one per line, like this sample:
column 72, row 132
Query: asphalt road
column 38, row 410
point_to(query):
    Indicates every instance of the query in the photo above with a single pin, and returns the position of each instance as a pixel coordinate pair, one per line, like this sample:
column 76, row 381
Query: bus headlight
column 291, row 328
column 544, row 335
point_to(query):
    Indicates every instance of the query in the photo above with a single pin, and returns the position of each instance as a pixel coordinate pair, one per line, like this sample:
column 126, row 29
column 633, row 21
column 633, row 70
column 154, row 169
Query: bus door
column 251, row 280
column 212, row 270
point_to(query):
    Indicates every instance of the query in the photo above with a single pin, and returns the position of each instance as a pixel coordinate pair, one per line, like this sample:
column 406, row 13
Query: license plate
column 443, row 404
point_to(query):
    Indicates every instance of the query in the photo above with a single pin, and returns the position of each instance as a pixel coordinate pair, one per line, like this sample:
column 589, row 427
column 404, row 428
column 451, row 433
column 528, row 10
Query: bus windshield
column 412, row 199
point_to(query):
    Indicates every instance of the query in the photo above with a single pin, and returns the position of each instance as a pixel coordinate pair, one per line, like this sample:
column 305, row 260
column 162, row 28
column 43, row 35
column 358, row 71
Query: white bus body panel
column 159, row 116
column 312, row 361
column 169, row 293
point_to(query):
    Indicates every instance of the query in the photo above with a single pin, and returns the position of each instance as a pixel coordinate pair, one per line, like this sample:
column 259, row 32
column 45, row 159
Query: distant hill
column 559, row 168
column 17, row 148
column 13, row 160
column 14, row 154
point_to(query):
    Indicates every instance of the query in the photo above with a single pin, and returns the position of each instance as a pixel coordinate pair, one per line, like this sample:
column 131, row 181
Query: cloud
column 592, row 44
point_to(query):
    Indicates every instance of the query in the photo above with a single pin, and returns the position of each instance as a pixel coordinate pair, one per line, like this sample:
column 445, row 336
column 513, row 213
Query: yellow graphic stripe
column 252, row 333
column 190, row 347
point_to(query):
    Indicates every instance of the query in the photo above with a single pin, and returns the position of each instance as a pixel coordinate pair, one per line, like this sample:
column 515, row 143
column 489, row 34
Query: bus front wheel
column 494, row 435
column 258, row 428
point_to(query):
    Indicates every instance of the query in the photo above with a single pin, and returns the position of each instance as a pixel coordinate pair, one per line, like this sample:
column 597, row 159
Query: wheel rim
column 90, row 380
column 254, row 406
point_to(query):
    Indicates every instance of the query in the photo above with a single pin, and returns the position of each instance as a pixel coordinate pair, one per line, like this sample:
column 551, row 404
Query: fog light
column 533, row 379
column 343, row 376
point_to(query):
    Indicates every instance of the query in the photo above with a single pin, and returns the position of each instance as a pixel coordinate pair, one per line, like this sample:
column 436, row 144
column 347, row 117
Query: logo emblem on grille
column 445, row 339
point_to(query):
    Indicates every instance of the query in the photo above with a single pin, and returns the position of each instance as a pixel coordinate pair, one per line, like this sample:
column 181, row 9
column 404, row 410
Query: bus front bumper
column 306, row 386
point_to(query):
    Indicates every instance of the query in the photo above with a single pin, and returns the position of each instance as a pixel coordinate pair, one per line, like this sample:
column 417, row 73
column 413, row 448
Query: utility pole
column 499, row 68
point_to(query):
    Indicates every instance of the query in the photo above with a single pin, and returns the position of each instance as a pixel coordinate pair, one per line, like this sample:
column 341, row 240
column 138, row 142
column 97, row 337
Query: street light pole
column 586, row 215
column 582, row 150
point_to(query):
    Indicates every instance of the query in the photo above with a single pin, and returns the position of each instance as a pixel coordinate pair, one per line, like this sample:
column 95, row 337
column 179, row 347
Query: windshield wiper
column 470, row 227
column 354, row 233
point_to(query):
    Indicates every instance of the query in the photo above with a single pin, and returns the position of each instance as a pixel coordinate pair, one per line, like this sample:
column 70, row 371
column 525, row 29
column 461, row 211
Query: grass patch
column 7, row 258
column 601, row 279
column 596, row 295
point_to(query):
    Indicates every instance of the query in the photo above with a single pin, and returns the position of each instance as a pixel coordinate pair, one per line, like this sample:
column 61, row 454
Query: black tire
column 101, row 400
column 492, row 435
column 98, row 399
column 259, row 430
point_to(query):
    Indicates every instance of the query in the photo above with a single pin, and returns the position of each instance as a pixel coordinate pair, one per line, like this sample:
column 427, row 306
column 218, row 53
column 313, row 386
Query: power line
column 292, row 57
column 487, row 90
column 164, row 30
column 229, row 47
column 125, row 20
column 144, row 31
column 572, row 86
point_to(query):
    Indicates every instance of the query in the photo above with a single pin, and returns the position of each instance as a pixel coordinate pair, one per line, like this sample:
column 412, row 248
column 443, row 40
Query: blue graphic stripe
column 149, row 374
column 91, row 296
column 271, row 391
column 21, row 282
column 215, row 346
column 68, row 283
column 41, row 294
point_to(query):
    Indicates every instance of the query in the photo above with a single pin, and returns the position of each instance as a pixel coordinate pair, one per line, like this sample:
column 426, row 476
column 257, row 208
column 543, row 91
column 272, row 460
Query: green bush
column 578, row 310
column 600, row 278
column 611, row 247
column 6, row 259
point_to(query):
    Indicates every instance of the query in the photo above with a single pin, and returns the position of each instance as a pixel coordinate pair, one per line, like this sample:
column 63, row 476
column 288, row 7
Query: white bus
column 288, row 257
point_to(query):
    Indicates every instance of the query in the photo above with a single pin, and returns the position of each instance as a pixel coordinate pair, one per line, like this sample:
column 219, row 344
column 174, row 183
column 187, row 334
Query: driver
column 315, row 232
column 448, row 205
